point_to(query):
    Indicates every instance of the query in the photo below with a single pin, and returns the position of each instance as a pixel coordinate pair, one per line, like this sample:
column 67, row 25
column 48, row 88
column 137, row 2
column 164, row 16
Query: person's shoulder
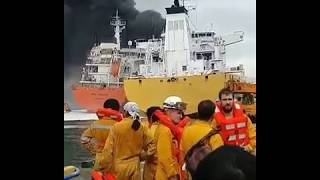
column 106, row 121
column 144, row 126
column 144, row 123
column 216, row 137
column 122, row 123
column 189, row 126
column 163, row 128
column 247, row 118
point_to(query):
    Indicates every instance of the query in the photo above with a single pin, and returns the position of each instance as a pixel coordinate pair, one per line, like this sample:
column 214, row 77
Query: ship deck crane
column 229, row 39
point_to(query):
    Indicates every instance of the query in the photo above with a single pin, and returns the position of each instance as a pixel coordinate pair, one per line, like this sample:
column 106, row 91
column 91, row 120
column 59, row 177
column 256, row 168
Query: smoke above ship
column 88, row 20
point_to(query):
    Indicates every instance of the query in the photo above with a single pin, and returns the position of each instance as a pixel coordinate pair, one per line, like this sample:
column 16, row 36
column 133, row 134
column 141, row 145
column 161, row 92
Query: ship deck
column 79, row 115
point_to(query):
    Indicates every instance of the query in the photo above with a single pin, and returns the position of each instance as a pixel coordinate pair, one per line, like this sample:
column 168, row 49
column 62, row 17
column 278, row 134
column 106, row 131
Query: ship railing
column 92, row 62
column 217, row 59
column 99, row 83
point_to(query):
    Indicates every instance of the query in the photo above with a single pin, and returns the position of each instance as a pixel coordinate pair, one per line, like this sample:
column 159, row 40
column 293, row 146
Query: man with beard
column 235, row 127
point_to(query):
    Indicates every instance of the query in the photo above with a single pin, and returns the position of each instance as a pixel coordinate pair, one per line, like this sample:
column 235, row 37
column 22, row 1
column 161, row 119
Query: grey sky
column 225, row 16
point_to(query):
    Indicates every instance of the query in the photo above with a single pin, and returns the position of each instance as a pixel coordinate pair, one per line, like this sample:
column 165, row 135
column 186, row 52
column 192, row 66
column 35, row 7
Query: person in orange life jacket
column 235, row 127
column 96, row 175
column 150, row 166
column 93, row 138
column 168, row 136
column 173, row 116
column 123, row 147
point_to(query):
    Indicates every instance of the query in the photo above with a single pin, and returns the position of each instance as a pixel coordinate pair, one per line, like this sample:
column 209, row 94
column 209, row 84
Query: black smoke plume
column 88, row 20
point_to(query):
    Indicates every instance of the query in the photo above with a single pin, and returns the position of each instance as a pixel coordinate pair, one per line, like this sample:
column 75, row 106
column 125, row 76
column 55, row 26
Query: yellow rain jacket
column 150, row 166
column 96, row 135
column 121, row 153
column 193, row 132
column 167, row 162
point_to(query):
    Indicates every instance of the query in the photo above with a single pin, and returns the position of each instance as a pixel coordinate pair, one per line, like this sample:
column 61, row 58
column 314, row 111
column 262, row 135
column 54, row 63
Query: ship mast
column 119, row 25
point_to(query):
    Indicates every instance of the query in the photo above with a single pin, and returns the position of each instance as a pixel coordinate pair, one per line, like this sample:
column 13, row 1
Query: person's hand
column 254, row 152
column 246, row 147
column 176, row 177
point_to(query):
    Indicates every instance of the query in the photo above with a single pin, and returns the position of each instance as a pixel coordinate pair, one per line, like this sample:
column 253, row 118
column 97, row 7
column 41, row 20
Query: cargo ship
column 101, row 76
column 182, row 62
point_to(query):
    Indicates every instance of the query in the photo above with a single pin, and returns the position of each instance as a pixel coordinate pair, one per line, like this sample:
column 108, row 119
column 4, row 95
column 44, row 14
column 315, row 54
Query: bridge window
column 184, row 68
column 181, row 24
column 176, row 25
column 199, row 56
column 170, row 27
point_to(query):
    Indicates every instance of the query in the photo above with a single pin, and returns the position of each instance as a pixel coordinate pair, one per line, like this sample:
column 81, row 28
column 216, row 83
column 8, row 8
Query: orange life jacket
column 233, row 131
column 109, row 113
column 176, row 130
column 106, row 176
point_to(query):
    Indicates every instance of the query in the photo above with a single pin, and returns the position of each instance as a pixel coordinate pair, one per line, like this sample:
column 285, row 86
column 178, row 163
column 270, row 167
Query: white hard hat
column 174, row 102
column 132, row 108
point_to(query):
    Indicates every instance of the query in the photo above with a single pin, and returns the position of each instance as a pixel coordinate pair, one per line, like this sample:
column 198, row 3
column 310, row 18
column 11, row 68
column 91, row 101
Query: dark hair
column 225, row 91
column 136, row 123
column 227, row 163
column 150, row 112
column 206, row 109
column 112, row 103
